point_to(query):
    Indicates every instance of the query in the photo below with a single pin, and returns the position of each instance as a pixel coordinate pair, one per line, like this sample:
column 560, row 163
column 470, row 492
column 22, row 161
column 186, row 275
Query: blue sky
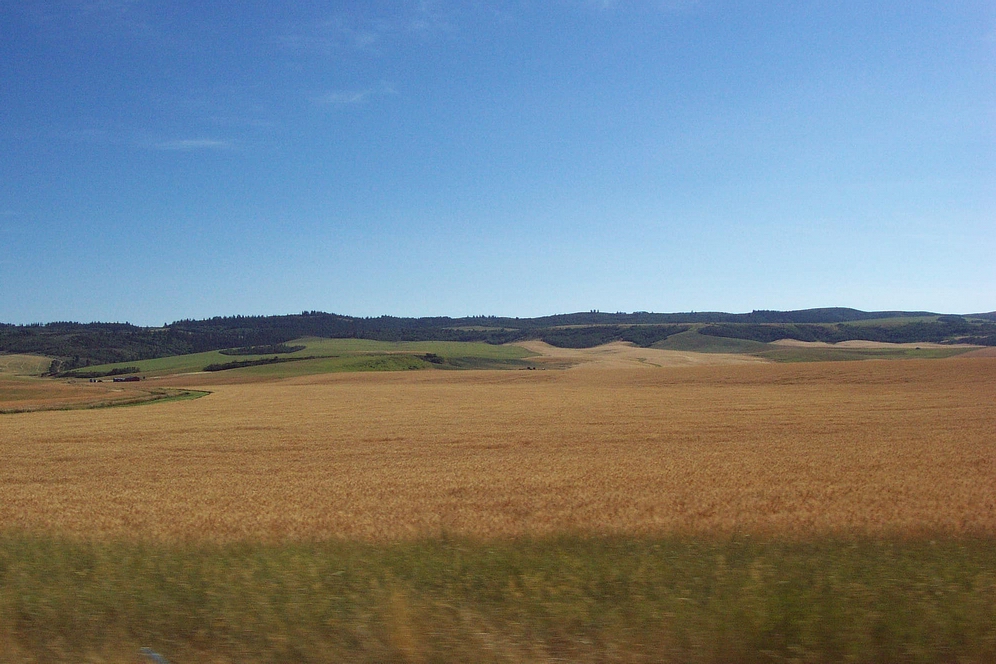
column 185, row 159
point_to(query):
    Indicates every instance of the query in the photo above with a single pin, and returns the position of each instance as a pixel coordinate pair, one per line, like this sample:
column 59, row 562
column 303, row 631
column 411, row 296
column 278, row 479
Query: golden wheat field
column 871, row 447
column 19, row 394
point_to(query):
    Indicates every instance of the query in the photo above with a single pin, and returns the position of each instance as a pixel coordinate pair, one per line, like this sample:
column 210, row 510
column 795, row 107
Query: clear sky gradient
column 167, row 160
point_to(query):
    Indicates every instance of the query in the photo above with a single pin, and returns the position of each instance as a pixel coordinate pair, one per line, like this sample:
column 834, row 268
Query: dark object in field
column 431, row 357
column 153, row 656
column 127, row 379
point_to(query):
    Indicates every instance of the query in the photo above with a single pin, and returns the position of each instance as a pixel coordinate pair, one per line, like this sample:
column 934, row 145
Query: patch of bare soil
column 621, row 355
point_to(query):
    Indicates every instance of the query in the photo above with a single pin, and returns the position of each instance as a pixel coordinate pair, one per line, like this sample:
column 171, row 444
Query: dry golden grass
column 871, row 447
column 29, row 394
column 989, row 351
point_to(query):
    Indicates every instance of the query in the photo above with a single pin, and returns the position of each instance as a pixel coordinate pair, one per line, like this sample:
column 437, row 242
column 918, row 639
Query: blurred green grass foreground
column 564, row 599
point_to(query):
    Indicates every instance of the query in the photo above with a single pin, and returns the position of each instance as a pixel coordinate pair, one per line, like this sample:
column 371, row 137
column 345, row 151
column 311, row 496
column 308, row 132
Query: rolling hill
column 76, row 345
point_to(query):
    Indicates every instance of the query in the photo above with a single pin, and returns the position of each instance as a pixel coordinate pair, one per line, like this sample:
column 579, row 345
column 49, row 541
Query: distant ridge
column 75, row 345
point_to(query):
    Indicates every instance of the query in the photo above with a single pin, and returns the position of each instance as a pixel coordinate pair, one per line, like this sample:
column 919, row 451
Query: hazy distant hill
column 78, row 344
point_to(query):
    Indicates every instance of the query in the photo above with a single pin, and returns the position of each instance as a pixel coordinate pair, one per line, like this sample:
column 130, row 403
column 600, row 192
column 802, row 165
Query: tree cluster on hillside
column 946, row 329
column 238, row 364
column 268, row 349
column 78, row 344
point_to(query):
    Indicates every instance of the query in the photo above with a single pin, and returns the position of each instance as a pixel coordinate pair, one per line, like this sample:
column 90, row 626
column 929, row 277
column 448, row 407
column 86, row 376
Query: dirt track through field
column 796, row 449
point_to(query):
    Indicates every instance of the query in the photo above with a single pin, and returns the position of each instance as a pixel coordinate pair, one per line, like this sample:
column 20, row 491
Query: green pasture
column 334, row 355
column 315, row 346
column 560, row 599
column 167, row 365
column 370, row 362
column 692, row 341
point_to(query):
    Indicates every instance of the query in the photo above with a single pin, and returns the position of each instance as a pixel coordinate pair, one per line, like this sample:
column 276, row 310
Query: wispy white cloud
column 368, row 31
column 353, row 97
column 149, row 140
column 192, row 144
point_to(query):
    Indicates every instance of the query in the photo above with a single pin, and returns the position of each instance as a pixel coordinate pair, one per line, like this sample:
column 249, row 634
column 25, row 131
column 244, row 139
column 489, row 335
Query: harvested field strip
column 793, row 450
column 841, row 353
column 622, row 355
column 547, row 600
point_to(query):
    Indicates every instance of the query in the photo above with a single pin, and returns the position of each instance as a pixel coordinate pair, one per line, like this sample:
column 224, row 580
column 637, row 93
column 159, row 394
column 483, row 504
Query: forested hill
column 82, row 344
